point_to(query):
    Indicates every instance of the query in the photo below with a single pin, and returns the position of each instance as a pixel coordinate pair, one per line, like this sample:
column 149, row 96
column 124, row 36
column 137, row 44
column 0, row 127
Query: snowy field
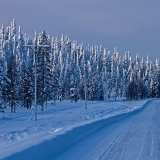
column 57, row 127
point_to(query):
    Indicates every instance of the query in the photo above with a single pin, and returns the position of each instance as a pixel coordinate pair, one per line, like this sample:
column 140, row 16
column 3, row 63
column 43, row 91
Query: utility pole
column 35, row 48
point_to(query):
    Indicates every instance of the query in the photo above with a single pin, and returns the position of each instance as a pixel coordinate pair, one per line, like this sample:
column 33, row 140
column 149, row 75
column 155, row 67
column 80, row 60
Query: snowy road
column 135, row 137
column 113, row 131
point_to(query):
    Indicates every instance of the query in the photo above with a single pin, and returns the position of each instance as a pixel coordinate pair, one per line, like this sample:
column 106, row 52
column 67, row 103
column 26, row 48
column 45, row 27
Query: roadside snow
column 18, row 132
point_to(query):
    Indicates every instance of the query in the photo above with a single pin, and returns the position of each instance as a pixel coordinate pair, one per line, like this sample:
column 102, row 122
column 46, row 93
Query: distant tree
column 11, row 87
column 61, row 68
column 25, row 87
column 43, row 70
column 54, row 86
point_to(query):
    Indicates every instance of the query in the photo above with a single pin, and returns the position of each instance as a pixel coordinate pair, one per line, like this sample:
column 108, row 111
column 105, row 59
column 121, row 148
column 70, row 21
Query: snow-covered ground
column 60, row 128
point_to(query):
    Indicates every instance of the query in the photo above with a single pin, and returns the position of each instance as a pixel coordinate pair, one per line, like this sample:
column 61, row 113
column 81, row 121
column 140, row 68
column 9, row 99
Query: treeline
column 67, row 65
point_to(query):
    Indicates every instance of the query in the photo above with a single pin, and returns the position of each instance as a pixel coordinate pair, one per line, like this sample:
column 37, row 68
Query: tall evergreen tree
column 43, row 71
column 25, row 87
column 11, row 87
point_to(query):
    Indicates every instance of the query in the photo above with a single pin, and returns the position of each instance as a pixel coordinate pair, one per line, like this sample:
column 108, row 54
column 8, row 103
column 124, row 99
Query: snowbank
column 56, row 141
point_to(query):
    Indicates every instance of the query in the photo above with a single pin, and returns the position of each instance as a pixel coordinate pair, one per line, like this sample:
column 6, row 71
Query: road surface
column 136, row 137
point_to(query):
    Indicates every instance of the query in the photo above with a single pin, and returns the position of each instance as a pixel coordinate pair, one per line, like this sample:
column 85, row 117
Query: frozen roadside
column 19, row 134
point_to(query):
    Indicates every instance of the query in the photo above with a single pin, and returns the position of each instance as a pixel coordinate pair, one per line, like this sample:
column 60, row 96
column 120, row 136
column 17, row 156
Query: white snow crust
column 61, row 132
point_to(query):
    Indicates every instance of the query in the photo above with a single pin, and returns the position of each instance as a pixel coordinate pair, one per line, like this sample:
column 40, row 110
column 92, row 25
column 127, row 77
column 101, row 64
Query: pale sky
column 129, row 25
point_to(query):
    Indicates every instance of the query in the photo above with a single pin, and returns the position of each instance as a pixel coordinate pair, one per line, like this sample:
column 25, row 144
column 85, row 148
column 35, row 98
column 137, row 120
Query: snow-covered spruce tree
column 130, row 92
column 43, row 71
column 3, row 81
column 2, row 62
column 158, row 85
column 104, row 74
column 90, row 90
column 55, row 50
column 61, row 83
column 120, row 78
column 81, row 84
column 118, row 84
column 74, row 71
column 25, row 87
column 127, row 71
column 114, row 72
column 68, row 59
column 157, row 76
column 11, row 87
column 146, row 89
column 154, row 85
column 66, row 83
column 97, row 84
column 2, row 53
column 140, row 86
column 152, row 89
column 54, row 85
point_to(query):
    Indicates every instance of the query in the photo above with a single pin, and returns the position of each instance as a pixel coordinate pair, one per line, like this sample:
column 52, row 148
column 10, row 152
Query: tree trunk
column 54, row 101
column 46, row 102
column 14, row 109
column 11, row 107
